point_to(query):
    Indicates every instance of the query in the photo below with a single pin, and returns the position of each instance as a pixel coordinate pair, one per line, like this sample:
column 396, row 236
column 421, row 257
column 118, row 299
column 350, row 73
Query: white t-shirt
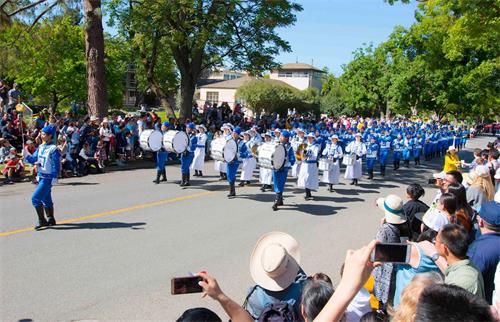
column 359, row 306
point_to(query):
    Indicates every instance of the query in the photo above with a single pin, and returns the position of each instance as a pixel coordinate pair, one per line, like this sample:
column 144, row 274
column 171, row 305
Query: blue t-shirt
column 405, row 273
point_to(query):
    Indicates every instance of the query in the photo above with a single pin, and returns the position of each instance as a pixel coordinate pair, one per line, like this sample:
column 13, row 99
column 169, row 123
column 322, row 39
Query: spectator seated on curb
column 14, row 169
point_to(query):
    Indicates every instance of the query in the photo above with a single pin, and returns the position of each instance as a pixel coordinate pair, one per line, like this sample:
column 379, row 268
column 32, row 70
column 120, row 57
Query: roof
column 295, row 66
column 238, row 82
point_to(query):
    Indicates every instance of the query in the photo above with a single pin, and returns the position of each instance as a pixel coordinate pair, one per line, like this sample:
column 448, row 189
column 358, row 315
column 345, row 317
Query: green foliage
column 49, row 61
column 274, row 97
column 208, row 33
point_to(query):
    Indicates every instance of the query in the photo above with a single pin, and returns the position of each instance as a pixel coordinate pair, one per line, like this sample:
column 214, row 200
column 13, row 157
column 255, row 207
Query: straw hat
column 392, row 206
column 274, row 262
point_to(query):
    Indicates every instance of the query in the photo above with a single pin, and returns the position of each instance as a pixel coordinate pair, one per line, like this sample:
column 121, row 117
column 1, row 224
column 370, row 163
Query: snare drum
column 175, row 141
column 150, row 140
column 349, row 159
column 223, row 150
column 271, row 156
column 325, row 164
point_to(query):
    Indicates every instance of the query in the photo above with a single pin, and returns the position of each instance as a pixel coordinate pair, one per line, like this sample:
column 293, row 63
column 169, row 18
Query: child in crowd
column 14, row 168
column 100, row 153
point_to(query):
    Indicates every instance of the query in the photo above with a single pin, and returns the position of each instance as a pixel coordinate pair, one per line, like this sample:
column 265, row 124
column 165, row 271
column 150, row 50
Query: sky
column 328, row 31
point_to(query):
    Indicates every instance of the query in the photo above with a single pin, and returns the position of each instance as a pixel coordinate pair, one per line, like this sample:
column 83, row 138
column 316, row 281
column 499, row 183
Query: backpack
column 277, row 312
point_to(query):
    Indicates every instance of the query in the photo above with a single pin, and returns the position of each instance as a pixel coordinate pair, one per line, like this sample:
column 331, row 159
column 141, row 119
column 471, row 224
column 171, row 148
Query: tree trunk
column 97, row 100
column 187, row 94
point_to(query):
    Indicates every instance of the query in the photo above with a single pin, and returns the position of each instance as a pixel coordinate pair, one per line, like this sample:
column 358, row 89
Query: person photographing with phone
column 48, row 160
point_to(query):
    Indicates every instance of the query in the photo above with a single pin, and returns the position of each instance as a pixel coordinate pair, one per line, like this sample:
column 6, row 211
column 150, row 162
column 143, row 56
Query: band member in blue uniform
column 188, row 155
column 397, row 146
column 161, row 158
column 308, row 175
column 48, row 160
column 407, row 149
column 371, row 156
column 385, row 150
column 279, row 176
column 232, row 166
column 417, row 148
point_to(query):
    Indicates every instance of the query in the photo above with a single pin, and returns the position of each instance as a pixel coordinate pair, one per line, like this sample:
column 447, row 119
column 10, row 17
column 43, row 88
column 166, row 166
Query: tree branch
column 43, row 13
column 24, row 8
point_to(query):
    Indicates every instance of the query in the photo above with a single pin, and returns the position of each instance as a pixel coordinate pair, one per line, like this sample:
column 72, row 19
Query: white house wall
column 225, row 95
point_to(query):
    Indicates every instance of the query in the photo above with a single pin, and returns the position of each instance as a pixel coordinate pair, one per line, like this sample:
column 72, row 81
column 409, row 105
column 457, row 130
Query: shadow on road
column 78, row 183
column 313, row 209
column 99, row 225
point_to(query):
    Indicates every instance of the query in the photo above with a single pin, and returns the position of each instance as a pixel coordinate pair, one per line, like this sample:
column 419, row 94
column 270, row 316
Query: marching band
column 306, row 153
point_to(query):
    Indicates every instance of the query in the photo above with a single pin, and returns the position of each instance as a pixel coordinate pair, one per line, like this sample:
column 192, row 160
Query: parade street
column 120, row 239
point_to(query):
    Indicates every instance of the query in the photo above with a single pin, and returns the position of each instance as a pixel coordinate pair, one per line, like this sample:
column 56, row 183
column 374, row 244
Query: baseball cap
column 490, row 212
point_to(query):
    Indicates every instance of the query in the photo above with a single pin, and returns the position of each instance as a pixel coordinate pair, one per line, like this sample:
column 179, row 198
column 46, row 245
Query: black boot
column 355, row 182
column 280, row 199
column 163, row 175
column 263, row 188
column 352, row 182
column 186, row 182
column 330, row 187
column 370, row 174
column 221, row 178
column 241, row 184
column 382, row 170
column 50, row 216
column 232, row 190
column 308, row 195
column 200, row 174
column 42, row 222
column 158, row 175
column 224, row 175
column 195, row 173
column 183, row 180
column 268, row 186
column 395, row 164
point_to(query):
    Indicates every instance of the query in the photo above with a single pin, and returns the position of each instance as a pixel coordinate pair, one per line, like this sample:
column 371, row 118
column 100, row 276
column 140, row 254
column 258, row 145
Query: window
column 131, row 94
column 213, row 97
column 284, row 74
column 230, row 76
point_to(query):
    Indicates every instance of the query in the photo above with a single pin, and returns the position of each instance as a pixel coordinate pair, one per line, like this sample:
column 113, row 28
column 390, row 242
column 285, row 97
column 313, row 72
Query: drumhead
column 230, row 150
column 151, row 140
column 217, row 148
column 180, row 142
column 279, row 156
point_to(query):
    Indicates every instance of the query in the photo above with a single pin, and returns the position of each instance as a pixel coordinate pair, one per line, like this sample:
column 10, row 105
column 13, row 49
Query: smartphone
column 392, row 253
column 185, row 285
column 431, row 181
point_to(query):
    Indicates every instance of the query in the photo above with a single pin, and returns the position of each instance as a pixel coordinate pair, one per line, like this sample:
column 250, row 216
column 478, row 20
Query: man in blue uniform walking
column 48, row 160
column 280, row 175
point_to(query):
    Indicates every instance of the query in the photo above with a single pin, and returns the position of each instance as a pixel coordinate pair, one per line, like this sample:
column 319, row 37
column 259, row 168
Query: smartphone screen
column 392, row 253
column 185, row 285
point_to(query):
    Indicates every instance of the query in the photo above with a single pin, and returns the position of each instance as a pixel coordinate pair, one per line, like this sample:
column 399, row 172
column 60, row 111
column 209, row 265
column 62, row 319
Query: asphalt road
column 121, row 238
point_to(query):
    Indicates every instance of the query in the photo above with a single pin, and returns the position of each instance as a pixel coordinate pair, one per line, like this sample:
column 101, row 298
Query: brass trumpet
column 254, row 149
column 299, row 154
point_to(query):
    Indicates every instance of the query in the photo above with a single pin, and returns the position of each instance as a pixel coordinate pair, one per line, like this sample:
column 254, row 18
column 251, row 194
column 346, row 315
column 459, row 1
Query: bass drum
column 223, row 150
column 150, row 140
column 175, row 141
column 271, row 156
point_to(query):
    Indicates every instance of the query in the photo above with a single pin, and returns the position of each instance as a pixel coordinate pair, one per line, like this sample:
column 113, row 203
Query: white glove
column 54, row 181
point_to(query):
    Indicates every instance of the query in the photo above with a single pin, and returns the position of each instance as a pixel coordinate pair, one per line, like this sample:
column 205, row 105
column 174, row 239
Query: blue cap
column 285, row 133
column 166, row 124
column 49, row 129
column 490, row 212
column 191, row 126
column 237, row 130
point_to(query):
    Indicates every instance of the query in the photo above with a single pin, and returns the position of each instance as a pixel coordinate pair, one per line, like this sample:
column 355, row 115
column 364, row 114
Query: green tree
column 208, row 33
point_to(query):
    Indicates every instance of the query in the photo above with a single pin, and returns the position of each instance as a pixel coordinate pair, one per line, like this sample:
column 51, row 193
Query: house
column 299, row 75
column 225, row 91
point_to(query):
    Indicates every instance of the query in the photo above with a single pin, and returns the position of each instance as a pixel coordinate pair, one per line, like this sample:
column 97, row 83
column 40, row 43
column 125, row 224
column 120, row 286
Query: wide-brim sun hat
column 435, row 219
column 275, row 261
column 451, row 148
column 392, row 205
